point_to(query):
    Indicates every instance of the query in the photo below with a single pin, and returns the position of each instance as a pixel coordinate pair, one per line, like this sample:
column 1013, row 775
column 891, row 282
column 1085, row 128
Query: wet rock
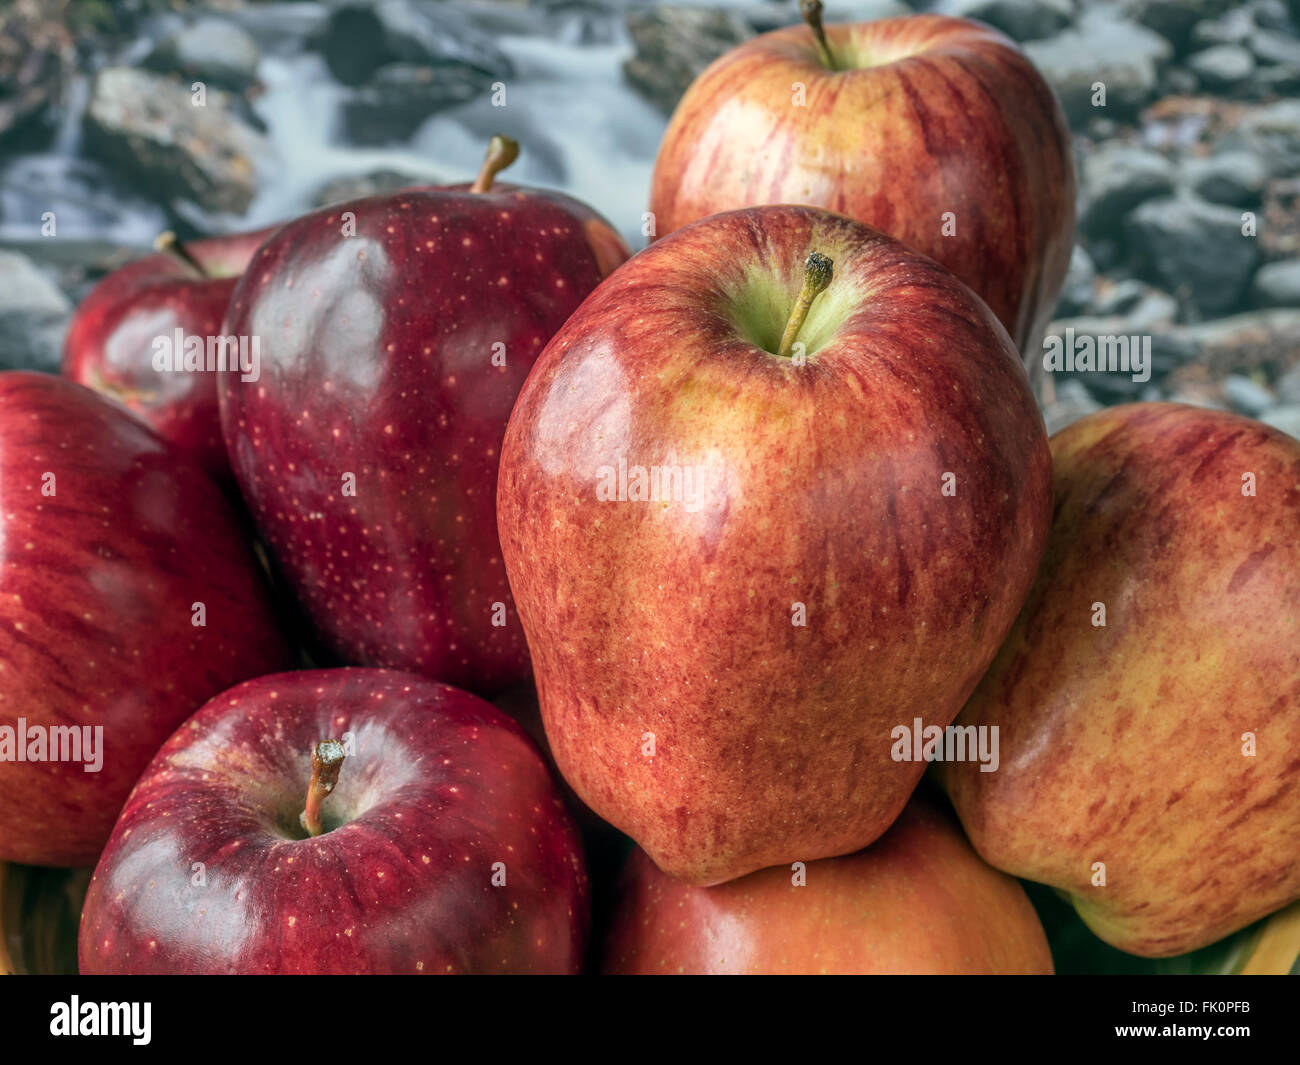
column 1236, row 178
column 1117, row 178
column 211, row 50
column 150, row 130
column 1076, row 293
column 34, row 315
column 359, row 39
column 673, row 45
column 401, row 97
column 1021, row 20
column 1277, row 284
column 1288, row 386
column 1272, row 132
column 1247, row 395
column 1275, row 49
column 1286, row 418
column 1122, row 55
column 1194, row 249
column 1174, row 19
column 375, row 183
column 1223, row 67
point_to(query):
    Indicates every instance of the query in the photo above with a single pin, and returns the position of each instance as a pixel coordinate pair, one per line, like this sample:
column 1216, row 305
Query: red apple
column 918, row 901
column 937, row 130
column 110, row 345
column 395, row 333
column 1148, row 696
column 836, row 543
column 114, row 546
column 438, row 845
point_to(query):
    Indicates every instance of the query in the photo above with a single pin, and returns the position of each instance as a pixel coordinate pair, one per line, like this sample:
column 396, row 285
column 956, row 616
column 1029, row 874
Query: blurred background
column 308, row 103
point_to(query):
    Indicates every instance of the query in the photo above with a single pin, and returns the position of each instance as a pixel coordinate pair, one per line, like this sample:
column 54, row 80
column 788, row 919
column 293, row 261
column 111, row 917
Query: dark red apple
column 744, row 555
column 438, row 845
column 114, row 546
column 918, row 901
column 395, row 333
column 937, row 130
column 111, row 340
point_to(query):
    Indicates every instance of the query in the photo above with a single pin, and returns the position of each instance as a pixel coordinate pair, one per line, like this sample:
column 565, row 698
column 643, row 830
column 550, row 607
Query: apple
column 113, row 336
column 751, row 529
column 129, row 595
column 1148, row 697
column 918, row 901
column 936, row 130
column 341, row 821
column 395, row 334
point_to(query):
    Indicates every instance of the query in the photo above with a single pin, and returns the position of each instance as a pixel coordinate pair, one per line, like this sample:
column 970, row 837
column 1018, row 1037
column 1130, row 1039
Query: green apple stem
column 818, row 271
column 167, row 243
column 502, row 151
column 811, row 10
column 326, row 759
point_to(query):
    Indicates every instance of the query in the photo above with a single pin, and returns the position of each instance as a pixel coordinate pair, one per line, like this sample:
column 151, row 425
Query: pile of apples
column 731, row 530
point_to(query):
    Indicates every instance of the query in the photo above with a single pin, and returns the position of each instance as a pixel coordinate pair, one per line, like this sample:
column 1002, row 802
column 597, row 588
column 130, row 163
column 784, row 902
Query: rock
column 1236, row 178
column 1177, row 81
column 1118, row 297
column 359, row 39
column 400, row 97
column 1286, row 418
column 1288, row 386
column 673, row 45
column 148, row 128
column 1233, row 28
column 1277, row 284
column 1195, row 249
column 1021, row 20
column 1244, row 343
column 1272, row 132
column 375, row 183
column 1247, row 395
column 34, row 315
column 1076, row 293
column 1097, row 337
column 1174, row 19
column 1278, row 81
column 1275, row 49
column 211, row 50
column 37, row 59
column 1072, row 402
column 1222, row 67
column 1121, row 55
column 1155, row 310
column 1115, row 179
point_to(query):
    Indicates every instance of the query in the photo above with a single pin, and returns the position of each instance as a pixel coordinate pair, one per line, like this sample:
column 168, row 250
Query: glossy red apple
column 937, row 130
column 438, row 845
column 113, row 544
column 918, row 901
column 836, row 541
column 110, row 344
column 395, row 333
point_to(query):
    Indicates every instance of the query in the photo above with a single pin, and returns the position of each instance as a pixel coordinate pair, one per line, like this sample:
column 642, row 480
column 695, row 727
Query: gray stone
column 1224, row 66
column 1247, row 395
column 1288, row 386
column 1195, row 249
column 148, row 128
column 1155, row 310
column 34, row 315
column 1275, row 49
column 1121, row 55
column 1286, row 418
column 1021, row 20
column 1237, row 177
column 673, row 45
column 400, row 98
column 1174, row 19
column 1072, row 402
column 374, row 183
column 1115, row 179
column 1272, row 132
column 1233, row 28
column 1076, row 293
column 1277, row 284
column 1118, row 297
column 211, row 50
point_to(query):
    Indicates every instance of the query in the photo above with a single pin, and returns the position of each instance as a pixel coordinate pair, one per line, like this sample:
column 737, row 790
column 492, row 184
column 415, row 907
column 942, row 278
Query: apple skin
column 818, row 485
column 377, row 354
column 917, row 901
column 1123, row 744
column 97, row 586
column 441, row 786
column 954, row 119
column 109, row 346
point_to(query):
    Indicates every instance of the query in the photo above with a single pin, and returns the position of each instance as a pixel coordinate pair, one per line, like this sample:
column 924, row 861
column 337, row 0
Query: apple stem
column 502, row 151
column 811, row 10
column 818, row 271
column 326, row 760
column 167, row 243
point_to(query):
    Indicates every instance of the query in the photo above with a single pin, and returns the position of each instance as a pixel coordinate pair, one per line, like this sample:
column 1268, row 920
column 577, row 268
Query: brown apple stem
column 326, row 760
column 1278, row 946
column 502, row 151
column 167, row 243
column 811, row 10
column 818, row 271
